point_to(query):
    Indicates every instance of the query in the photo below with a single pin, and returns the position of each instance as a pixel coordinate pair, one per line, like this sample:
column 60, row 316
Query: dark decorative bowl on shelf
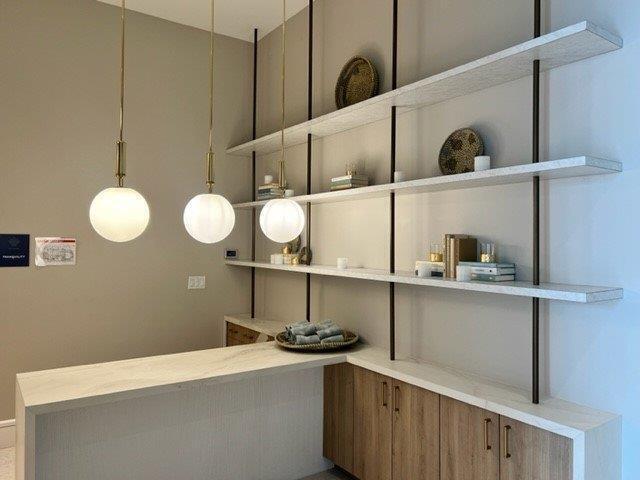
column 350, row 339
column 458, row 152
column 358, row 81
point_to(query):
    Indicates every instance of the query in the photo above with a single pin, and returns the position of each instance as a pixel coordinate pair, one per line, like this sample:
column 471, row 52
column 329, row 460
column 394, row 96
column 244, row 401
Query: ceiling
column 235, row 18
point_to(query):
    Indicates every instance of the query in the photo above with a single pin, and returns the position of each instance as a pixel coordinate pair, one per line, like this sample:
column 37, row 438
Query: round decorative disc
column 458, row 152
column 358, row 81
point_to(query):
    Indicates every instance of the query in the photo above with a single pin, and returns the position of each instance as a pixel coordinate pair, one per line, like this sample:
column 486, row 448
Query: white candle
column 481, row 163
column 343, row 263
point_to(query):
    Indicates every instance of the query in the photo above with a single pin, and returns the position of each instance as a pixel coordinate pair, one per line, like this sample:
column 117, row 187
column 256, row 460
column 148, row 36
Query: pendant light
column 120, row 214
column 282, row 220
column 209, row 218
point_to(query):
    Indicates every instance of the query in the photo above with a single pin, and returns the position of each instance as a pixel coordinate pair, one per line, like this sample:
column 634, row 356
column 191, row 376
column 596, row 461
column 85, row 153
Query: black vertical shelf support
column 535, row 330
column 309, row 149
column 392, row 195
column 253, row 172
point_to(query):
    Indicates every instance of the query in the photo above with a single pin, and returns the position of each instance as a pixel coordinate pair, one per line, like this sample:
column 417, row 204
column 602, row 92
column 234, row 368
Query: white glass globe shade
column 209, row 218
column 119, row 214
column 282, row 220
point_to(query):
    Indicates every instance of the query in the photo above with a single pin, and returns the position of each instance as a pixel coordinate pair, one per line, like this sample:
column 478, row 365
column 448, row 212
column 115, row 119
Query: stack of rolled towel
column 305, row 333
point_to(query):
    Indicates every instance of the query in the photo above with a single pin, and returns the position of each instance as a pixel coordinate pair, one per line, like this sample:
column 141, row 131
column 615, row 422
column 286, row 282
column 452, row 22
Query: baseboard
column 7, row 433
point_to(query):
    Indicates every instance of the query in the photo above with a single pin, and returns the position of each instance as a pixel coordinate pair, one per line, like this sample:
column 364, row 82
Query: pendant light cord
column 121, row 145
column 210, row 157
column 281, row 176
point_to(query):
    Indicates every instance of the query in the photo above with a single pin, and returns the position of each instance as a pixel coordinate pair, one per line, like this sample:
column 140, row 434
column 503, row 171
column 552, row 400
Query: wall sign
column 14, row 250
column 55, row 251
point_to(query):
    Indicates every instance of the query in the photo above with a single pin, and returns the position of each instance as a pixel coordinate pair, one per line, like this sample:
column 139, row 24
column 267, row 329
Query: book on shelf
column 351, row 178
column 488, row 265
column 492, row 278
column 345, row 187
column 493, row 271
column 458, row 248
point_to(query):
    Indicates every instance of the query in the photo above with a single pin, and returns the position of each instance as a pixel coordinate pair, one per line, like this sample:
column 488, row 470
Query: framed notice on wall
column 52, row 251
column 14, row 250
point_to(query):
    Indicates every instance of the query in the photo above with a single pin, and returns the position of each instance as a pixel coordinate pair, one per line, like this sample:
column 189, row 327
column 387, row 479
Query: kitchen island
column 243, row 412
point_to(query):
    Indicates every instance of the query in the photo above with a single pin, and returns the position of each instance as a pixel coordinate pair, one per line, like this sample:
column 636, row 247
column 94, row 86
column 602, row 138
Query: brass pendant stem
column 281, row 170
column 210, row 175
column 121, row 145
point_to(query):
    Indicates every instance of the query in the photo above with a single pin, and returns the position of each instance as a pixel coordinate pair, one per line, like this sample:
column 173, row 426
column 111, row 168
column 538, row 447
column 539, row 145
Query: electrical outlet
column 196, row 283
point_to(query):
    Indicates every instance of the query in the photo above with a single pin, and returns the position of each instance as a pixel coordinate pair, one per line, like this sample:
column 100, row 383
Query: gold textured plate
column 458, row 152
column 358, row 81
column 350, row 339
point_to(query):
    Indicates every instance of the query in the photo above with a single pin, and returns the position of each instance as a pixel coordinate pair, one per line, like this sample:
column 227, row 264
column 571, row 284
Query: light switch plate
column 196, row 283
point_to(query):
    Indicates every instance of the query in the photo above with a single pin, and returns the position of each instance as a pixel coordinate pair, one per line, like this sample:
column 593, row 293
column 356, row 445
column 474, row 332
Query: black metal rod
column 535, row 153
column 253, row 172
column 309, row 151
column 392, row 196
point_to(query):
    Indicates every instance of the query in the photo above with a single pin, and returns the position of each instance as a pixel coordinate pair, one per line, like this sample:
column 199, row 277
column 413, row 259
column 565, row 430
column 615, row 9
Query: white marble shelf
column 571, row 44
column 552, row 169
column 548, row 291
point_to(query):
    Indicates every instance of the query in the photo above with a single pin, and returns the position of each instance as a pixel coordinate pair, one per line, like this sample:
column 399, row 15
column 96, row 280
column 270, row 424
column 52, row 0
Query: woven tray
column 350, row 339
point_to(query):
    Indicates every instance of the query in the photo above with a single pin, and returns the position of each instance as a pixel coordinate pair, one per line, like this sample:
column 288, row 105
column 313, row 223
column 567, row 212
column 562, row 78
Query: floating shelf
column 562, row 47
column 548, row 291
column 568, row 167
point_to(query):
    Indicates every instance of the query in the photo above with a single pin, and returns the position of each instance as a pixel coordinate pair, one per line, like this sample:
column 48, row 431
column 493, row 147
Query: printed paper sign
column 51, row 251
column 14, row 250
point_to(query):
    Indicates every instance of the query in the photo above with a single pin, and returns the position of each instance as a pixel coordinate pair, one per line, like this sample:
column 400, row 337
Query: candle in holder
column 436, row 253
column 487, row 252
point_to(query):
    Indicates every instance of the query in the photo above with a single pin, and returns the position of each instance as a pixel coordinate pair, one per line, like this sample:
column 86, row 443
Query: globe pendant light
column 120, row 214
column 282, row 220
column 209, row 218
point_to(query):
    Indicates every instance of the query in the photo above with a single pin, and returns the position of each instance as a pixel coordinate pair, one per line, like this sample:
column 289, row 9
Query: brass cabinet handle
column 487, row 421
column 507, row 428
column 384, row 394
column 396, row 400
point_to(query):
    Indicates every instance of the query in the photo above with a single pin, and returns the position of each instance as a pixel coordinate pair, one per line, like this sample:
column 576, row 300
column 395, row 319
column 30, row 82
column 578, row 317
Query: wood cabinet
column 239, row 335
column 469, row 442
column 378, row 428
column 338, row 415
column 416, row 433
column 372, row 425
column 529, row 453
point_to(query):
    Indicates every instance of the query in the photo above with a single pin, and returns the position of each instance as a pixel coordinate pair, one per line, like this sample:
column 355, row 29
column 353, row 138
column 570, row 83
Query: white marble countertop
column 60, row 389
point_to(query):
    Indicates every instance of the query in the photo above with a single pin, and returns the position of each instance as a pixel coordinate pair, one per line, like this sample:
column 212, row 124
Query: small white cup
column 398, row 176
column 423, row 270
column 463, row 273
column 277, row 259
column 288, row 193
column 268, row 179
column 482, row 163
column 343, row 263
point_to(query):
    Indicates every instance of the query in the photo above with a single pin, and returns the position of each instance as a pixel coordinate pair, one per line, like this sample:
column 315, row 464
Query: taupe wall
column 590, row 108
column 58, row 126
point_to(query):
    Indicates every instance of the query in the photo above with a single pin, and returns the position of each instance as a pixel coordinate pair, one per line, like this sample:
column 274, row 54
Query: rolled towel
column 307, row 340
column 299, row 328
column 335, row 338
column 305, row 330
column 331, row 331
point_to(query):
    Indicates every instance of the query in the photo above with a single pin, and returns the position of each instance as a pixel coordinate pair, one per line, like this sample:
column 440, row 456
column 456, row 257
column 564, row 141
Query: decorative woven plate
column 458, row 152
column 358, row 81
column 350, row 339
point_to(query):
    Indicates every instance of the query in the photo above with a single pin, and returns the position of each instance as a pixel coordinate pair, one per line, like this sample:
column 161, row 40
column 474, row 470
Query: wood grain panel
column 338, row 415
column 467, row 450
column 416, row 433
column 372, row 425
column 529, row 453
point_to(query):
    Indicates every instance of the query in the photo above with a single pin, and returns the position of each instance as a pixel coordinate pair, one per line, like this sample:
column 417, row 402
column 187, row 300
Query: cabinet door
column 469, row 442
column 416, row 433
column 372, row 425
column 338, row 415
column 529, row 453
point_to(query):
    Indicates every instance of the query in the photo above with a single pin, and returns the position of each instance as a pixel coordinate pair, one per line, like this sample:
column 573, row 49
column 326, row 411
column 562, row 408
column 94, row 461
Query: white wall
column 589, row 226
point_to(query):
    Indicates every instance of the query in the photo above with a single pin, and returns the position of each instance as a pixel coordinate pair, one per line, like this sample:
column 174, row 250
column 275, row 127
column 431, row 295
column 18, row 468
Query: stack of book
column 457, row 249
column 492, row 272
column 270, row 191
column 348, row 181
